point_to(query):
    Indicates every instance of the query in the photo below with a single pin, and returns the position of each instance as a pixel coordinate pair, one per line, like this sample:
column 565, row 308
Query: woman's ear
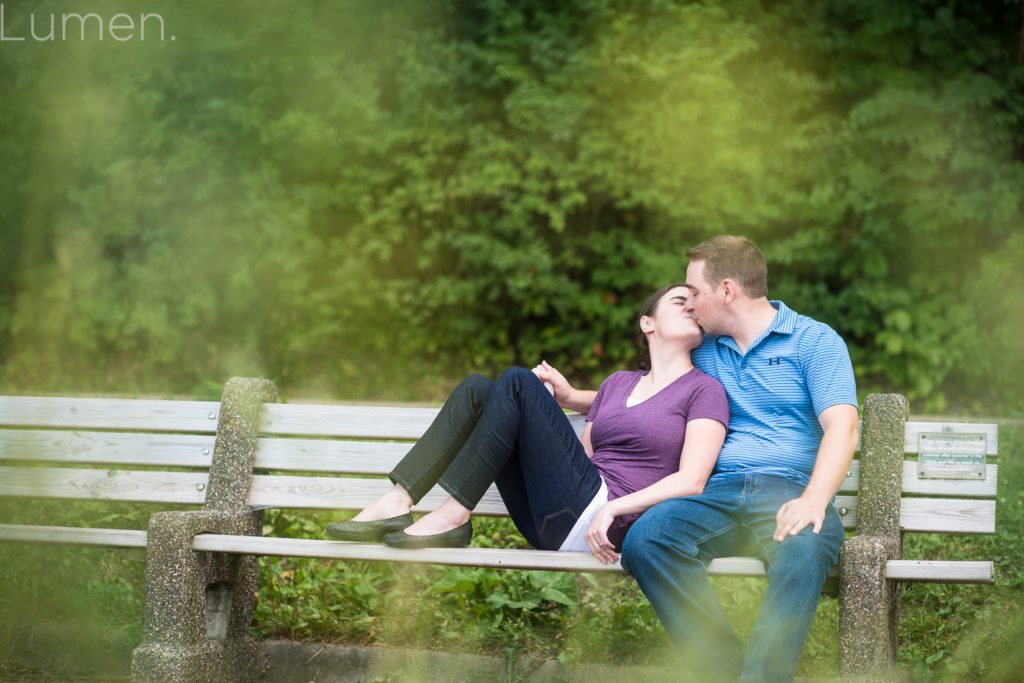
column 646, row 324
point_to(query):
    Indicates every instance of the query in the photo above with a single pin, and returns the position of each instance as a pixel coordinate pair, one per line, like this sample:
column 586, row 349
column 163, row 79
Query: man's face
column 704, row 303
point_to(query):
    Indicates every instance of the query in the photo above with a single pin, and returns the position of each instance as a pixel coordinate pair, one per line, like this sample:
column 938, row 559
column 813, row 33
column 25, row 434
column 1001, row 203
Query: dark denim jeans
column 668, row 549
column 510, row 432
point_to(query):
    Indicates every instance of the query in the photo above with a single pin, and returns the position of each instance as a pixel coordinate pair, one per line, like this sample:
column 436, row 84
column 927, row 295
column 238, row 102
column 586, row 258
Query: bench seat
column 249, row 453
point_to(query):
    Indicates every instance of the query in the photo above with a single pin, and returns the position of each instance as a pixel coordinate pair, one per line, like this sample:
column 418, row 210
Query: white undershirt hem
column 576, row 541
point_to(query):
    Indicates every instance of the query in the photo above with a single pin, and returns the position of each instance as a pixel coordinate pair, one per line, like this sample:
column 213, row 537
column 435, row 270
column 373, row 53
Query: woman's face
column 672, row 320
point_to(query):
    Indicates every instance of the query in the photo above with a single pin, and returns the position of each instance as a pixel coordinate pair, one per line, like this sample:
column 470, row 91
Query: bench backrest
column 337, row 457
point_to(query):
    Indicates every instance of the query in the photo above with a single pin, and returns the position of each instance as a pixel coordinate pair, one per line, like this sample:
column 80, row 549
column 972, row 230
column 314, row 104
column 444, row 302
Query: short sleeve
column 827, row 369
column 708, row 400
column 596, row 405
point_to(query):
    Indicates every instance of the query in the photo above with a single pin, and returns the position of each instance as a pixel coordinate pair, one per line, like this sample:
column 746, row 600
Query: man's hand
column 795, row 515
column 838, row 441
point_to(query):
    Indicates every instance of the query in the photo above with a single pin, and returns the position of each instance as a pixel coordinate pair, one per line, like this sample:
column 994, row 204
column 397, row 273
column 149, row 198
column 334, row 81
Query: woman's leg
column 525, row 443
column 421, row 467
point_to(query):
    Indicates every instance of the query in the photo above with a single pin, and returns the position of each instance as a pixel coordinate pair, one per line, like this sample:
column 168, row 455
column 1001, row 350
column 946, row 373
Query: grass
column 947, row 633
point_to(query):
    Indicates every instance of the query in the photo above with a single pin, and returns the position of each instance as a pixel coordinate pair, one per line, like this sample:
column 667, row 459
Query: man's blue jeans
column 510, row 432
column 668, row 549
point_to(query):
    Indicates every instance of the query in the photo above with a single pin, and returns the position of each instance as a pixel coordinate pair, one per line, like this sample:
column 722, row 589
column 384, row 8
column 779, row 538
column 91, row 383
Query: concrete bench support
column 199, row 604
column 869, row 604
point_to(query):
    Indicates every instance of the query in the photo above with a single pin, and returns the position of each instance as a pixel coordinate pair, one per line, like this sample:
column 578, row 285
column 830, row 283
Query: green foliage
column 366, row 200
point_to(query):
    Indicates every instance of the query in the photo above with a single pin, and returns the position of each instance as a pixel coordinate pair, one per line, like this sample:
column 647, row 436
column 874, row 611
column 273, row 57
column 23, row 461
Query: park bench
column 248, row 453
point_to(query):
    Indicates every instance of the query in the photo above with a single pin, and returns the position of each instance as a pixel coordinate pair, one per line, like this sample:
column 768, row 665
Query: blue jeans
column 668, row 549
column 510, row 432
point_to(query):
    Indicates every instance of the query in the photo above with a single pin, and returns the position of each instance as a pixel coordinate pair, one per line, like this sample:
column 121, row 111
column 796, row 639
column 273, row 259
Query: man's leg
column 797, row 569
column 667, row 551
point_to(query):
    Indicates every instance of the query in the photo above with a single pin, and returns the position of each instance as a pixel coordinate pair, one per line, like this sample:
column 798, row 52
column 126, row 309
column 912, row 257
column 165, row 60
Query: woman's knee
column 476, row 387
column 517, row 375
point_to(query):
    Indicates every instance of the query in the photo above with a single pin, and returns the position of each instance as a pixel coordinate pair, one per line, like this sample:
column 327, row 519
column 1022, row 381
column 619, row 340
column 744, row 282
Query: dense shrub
column 368, row 199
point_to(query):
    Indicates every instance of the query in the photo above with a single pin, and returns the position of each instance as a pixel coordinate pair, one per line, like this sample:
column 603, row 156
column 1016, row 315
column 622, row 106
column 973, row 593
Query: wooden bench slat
column 330, row 456
column 108, row 413
column 972, row 572
column 346, row 421
column 915, row 428
column 273, row 491
column 948, row 515
column 912, row 484
column 113, row 485
column 357, row 422
column 380, row 457
column 903, row 570
column 66, row 535
column 941, row 571
column 327, row 456
column 107, row 448
column 918, row 514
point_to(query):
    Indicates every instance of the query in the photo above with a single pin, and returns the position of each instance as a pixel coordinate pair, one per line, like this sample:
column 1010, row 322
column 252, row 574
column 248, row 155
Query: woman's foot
column 450, row 515
column 368, row 532
column 394, row 503
column 459, row 537
column 387, row 514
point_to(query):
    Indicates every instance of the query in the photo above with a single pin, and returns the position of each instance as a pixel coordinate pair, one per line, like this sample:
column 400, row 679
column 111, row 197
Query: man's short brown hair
column 735, row 258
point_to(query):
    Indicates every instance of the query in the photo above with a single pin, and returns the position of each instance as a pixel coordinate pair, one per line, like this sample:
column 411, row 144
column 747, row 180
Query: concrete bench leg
column 869, row 610
column 869, row 604
column 198, row 605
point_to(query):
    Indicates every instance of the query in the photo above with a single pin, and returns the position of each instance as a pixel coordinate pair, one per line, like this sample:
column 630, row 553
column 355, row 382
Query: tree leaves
column 353, row 199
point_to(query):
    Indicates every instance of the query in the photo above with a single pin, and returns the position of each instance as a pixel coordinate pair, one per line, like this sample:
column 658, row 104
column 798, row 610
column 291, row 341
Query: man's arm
column 567, row 397
column 833, row 462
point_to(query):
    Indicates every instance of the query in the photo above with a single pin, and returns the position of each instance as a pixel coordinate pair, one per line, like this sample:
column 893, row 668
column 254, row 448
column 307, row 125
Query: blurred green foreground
column 366, row 200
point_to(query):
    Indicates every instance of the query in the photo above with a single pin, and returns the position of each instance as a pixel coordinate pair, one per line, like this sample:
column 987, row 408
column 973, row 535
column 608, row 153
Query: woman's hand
column 597, row 536
column 553, row 381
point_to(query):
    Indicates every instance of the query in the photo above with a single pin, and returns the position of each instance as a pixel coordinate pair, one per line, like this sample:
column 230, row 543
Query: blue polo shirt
column 788, row 376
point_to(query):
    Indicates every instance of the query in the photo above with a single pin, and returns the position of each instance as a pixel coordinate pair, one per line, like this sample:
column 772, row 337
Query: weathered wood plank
column 329, row 456
column 904, row 570
column 107, row 448
column 914, row 430
column 363, row 422
column 941, row 571
column 357, row 422
column 380, row 457
column 120, row 485
column 107, row 413
column 268, row 491
column 65, row 535
column 948, row 515
column 960, row 488
column 972, row 572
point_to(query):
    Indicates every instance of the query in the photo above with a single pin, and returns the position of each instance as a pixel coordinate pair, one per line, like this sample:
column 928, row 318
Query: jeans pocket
column 556, row 527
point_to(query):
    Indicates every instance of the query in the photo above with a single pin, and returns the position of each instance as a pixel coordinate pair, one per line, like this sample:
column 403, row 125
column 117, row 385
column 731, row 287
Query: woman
column 651, row 434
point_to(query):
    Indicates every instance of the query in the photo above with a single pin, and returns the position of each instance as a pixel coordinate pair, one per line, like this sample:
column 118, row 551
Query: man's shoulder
column 806, row 329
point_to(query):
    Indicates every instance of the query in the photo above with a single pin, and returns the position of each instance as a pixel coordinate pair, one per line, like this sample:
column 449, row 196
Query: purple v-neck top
column 637, row 446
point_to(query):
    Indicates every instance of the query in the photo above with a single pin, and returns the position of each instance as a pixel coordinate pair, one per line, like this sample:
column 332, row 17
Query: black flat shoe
column 458, row 537
column 367, row 532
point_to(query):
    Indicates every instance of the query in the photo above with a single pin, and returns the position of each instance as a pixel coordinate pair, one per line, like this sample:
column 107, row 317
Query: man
column 791, row 438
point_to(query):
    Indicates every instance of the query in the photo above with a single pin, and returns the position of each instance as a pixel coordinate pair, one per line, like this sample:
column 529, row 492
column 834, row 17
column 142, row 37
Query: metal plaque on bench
column 943, row 455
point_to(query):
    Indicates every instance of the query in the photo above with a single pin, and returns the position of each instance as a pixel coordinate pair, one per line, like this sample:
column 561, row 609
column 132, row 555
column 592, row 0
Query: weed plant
column 947, row 632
